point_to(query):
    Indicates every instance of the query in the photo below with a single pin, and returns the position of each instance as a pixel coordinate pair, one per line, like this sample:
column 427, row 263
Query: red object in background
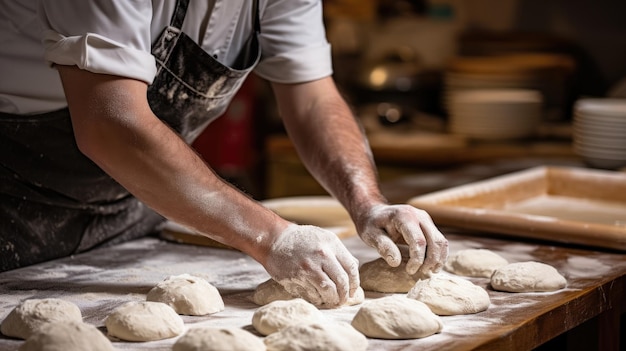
column 227, row 144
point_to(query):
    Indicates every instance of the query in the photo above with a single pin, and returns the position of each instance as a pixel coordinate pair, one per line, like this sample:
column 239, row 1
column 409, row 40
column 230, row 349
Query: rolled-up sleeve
column 293, row 42
column 108, row 37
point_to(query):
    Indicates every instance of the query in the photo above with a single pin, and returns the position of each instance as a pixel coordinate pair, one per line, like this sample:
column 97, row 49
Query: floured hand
column 386, row 225
column 313, row 263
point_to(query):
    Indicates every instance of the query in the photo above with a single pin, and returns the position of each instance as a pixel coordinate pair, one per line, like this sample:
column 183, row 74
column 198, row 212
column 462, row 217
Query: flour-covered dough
column 474, row 263
column 270, row 290
column 396, row 317
column 187, row 295
column 448, row 295
column 31, row 314
column 144, row 321
column 218, row 339
column 379, row 276
column 527, row 276
column 338, row 336
column 279, row 314
column 67, row 336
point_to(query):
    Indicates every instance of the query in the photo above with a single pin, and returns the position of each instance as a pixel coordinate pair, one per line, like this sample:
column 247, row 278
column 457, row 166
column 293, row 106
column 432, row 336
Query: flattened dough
column 144, row 321
column 474, row 263
column 67, row 336
column 396, row 317
column 279, row 314
column 338, row 336
column 270, row 290
column 448, row 295
column 379, row 276
column 187, row 295
column 31, row 314
column 527, row 276
column 218, row 339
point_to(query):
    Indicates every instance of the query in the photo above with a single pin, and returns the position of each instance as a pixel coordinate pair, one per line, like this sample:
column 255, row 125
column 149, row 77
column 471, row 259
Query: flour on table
column 279, row 314
column 218, row 339
column 187, row 295
column 31, row 314
column 338, row 336
column 144, row 321
column 379, row 276
column 474, row 263
column 448, row 295
column 270, row 290
column 396, row 317
column 67, row 336
column 527, row 276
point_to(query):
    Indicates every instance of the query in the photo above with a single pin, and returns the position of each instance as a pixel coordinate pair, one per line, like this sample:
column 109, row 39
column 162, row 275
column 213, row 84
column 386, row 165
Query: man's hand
column 313, row 263
column 386, row 225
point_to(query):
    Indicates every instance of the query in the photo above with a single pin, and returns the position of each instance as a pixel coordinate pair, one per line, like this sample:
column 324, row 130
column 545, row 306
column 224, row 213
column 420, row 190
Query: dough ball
column 450, row 295
column 279, row 314
column 396, row 317
column 218, row 339
column 270, row 290
column 67, row 336
column 339, row 336
column 527, row 277
column 31, row 314
column 474, row 263
column 188, row 295
column 144, row 321
column 379, row 276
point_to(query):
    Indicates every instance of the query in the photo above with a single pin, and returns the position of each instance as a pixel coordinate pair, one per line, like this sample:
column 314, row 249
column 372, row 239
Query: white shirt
column 115, row 37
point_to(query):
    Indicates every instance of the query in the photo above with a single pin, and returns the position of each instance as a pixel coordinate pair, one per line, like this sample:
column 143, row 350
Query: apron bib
column 54, row 201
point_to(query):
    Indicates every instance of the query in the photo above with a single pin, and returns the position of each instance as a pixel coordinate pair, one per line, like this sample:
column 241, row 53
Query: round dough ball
column 270, row 291
column 474, row 263
column 188, row 295
column 31, row 314
column 279, row 314
column 449, row 295
column 67, row 336
column 339, row 336
column 527, row 277
column 396, row 317
column 218, row 339
column 144, row 321
column 379, row 276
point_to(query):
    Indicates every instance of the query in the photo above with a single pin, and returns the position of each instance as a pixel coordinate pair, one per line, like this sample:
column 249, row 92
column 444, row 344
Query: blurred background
column 443, row 83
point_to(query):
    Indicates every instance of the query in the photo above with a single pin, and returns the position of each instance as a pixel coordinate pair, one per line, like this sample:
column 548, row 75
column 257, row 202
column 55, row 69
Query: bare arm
column 333, row 147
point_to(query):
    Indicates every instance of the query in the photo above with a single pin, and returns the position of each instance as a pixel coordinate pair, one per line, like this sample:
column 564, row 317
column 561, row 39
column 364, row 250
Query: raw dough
column 474, row 263
column 279, row 314
column 188, row 295
column 144, row 321
column 218, row 339
column 67, row 336
column 396, row 317
column 449, row 295
column 527, row 277
column 379, row 276
column 31, row 314
column 339, row 336
column 270, row 290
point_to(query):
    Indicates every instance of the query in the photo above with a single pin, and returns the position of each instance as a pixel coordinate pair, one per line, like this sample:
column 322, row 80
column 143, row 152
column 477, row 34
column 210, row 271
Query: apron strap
column 179, row 14
column 257, row 17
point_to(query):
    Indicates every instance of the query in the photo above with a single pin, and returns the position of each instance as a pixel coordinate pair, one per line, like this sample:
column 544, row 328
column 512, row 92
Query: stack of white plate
column 495, row 114
column 599, row 131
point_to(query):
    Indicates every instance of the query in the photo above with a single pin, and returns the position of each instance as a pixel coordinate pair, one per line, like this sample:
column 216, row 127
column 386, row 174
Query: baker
column 101, row 99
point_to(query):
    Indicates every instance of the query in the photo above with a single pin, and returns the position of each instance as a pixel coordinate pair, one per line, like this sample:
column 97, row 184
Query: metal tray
column 562, row 204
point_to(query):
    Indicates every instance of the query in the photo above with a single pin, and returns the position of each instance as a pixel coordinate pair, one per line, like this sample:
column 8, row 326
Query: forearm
column 146, row 157
column 333, row 147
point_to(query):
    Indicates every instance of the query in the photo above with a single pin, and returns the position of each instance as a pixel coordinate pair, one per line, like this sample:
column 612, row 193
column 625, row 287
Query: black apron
column 55, row 202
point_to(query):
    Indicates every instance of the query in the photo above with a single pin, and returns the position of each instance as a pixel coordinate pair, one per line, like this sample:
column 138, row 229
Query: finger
column 437, row 248
column 303, row 288
column 325, row 287
column 351, row 265
column 386, row 248
column 414, row 237
column 339, row 276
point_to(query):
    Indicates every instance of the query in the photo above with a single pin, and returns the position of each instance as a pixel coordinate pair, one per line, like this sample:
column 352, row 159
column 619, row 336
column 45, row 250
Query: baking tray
column 562, row 204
